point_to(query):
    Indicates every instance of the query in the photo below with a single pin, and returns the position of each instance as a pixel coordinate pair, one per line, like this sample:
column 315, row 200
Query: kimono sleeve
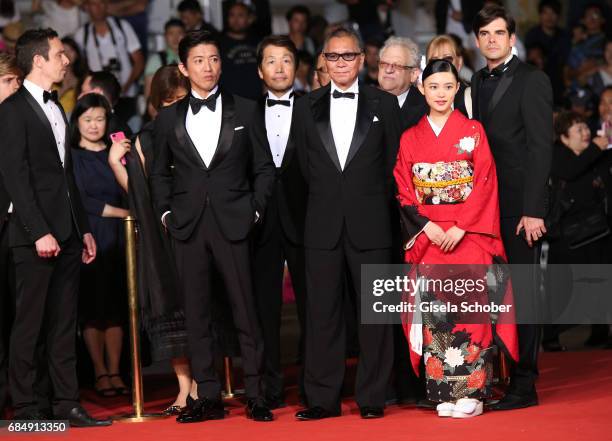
column 480, row 211
column 412, row 221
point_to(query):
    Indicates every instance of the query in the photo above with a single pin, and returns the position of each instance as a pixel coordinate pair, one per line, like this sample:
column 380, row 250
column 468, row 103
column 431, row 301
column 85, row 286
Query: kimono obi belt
column 442, row 182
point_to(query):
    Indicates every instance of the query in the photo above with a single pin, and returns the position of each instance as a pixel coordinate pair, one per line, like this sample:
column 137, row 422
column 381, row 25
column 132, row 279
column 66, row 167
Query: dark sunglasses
column 346, row 56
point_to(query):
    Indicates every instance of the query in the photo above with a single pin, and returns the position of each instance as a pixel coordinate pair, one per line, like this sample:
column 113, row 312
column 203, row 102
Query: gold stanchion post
column 132, row 285
column 227, row 369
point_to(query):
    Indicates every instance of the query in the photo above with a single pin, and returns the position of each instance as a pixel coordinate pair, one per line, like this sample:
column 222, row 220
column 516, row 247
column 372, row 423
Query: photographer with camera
column 110, row 44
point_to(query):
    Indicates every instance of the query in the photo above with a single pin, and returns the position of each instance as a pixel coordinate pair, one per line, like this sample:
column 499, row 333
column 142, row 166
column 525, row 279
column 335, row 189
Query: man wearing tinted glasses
column 347, row 135
column 398, row 70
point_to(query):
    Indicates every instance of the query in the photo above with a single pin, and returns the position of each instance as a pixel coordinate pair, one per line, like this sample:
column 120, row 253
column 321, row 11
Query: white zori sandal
column 467, row 408
column 445, row 409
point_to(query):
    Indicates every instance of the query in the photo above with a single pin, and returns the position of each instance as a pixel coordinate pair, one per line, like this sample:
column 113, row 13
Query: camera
column 114, row 65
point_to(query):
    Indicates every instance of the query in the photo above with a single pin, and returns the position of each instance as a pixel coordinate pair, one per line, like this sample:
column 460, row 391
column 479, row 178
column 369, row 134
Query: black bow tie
column 197, row 103
column 271, row 102
column 50, row 96
column 338, row 94
column 498, row 71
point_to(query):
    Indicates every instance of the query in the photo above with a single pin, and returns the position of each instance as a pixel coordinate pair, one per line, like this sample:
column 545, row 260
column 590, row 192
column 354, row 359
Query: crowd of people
column 329, row 148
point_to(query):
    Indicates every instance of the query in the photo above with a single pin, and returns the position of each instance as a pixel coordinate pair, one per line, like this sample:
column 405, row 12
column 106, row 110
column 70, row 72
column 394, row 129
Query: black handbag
column 585, row 227
column 558, row 205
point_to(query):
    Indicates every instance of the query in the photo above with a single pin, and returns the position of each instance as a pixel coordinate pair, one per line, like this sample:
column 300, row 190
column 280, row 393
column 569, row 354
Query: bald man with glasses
column 348, row 135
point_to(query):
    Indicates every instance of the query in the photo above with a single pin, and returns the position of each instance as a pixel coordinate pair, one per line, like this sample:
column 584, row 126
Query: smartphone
column 116, row 137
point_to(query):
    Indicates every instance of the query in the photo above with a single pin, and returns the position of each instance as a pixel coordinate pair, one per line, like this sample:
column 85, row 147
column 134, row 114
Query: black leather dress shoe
column 368, row 413
column 315, row 413
column 512, row 401
column 258, row 411
column 78, row 417
column 202, row 410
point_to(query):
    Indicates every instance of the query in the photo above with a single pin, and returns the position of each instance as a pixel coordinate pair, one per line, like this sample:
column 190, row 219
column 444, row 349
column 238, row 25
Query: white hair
column 412, row 50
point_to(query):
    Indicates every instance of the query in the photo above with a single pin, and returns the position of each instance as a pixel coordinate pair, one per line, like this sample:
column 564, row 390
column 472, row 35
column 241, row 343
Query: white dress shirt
column 401, row 99
column 278, row 125
column 204, row 128
column 342, row 117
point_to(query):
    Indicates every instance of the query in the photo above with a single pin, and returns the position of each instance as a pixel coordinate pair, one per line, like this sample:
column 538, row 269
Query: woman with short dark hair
column 581, row 235
column 102, row 301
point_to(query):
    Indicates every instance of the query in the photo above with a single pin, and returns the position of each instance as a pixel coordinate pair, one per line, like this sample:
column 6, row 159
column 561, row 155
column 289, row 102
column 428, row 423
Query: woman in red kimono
column 447, row 189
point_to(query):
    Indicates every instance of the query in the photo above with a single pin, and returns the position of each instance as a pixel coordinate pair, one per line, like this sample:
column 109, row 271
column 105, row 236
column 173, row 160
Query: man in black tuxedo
column 398, row 72
column 281, row 235
column 4, row 293
column 513, row 100
column 210, row 203
column 11, row 81
column 48, row 231
column 348, row 136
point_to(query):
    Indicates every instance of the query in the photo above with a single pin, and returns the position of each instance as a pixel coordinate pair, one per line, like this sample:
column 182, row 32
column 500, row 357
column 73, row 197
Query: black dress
column 160, row 304
column 102, row 298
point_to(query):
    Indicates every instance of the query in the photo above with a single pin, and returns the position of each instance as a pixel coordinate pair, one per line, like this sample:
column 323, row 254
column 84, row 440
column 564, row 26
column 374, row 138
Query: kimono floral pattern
column 467, row 144
column 443, row 182
column 455, row 366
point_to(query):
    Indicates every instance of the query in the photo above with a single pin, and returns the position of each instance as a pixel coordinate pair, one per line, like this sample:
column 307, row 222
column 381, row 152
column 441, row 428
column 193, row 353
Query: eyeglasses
column 384, row 65
column 346, row 56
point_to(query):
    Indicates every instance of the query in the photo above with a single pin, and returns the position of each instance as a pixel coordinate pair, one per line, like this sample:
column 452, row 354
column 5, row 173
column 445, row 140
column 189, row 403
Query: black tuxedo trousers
column 525, row 372
column 195, row 257
column 5, row 302
column 268, row 271
column 45, row 314
column 325, row 322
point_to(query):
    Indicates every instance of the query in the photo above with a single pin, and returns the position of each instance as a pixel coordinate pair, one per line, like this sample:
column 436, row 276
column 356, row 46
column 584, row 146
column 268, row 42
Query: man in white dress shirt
column 48, row 231
column 210, row 203
column 280, row 238
column 348, row 136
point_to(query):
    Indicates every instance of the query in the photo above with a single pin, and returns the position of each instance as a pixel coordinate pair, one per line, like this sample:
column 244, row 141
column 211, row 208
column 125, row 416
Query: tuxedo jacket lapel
column 290, row 148
column 365, row 114
column 226, row 136
column 260, row 125
column 320, row 113
column 43, row 119
column 475, row 98
column 500, row 90
column 181, row 131
column 503, row 86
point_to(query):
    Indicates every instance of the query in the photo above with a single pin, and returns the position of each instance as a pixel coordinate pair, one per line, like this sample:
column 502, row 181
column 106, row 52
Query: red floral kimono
column 450, row 179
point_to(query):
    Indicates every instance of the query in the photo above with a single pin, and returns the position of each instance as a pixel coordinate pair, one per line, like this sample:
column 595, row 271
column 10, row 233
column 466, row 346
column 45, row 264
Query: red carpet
column 575, row 391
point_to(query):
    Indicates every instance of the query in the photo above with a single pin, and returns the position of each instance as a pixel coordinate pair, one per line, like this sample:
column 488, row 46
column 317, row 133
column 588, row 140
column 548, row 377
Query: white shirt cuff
column 164, row 217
